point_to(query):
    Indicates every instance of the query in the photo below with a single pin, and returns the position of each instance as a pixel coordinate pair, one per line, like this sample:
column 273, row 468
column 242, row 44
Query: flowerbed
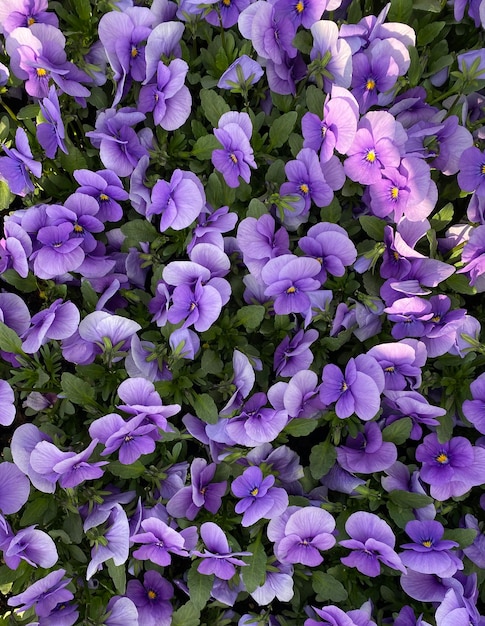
column 242, row 265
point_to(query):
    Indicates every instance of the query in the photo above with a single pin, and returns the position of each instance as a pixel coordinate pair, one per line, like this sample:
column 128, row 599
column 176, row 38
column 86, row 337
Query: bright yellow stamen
column 30, row 21
column 436, row 319
column 233, row 158
column 344, row 386
column 192, row 306
column 291, row 289
column 370, row 84
column 299, row 6
column 396, row 255
column 103, row 197
column 226, row 3
column 254, row 492
column 370, row 156
column 389, row 369
column 41, row 71
column 134, row 52
column 442, row 458
column 152, row 594
column 428, row 543
column 483, row 169
column 78, row 228
column 304, row 188
column 394, row 193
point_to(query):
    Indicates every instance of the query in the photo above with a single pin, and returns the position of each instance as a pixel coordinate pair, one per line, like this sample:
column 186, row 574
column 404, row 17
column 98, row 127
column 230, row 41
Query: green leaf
column 407, row 500
column 373, row 226
column 331, row 213
column 73, row 161
column 463, row 536
column 205, row 146
column 186, row 615
column 205, row 408
column 256, row 209
column 42, row 509
column 213, row 106
column 328, row 588
column 460, row 283
column 281, row 129
column 442, row 218
column 255, row 573
column 199, row 586
column 399, row 515
column 211, row 363
column 25, row 285
column 303, row 41
column 315, row 99
column 250, row 316
column 117, row 574
column 77, row 390
column 28, row 112
column 135, row 470
column 5, row 196
column 300, row 427
column 415, row 70
column 137, row 231
column 433, row 6
column 398, row 432
column 9, row 340
column 428, row 33
column 217, row 193
column 83, row 9
column 322, row 457
column 400, row 11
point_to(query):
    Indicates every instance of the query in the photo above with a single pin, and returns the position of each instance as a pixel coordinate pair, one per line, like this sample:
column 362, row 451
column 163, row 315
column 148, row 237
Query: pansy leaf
column 442, row 218
column 5, row 196
column 300, row 427
column 328, row 588
column 77, row 390
column 281, row 129
column 199, row 586
column 9, row 340
column 373, row 226
column 137, row 231
column 254, row 575
column 117, row 573
column 250, row 316
column 428, row 33
column 25, row 285
column 135, row 470
column 213, row 106
column 405, row 499
column 315, row 99
column 400, row 11
column 186, row 615
column 398, row 432
column 256, row 209
column 322, row 457
column 205, row 408
column 205, row 146
column 399, row 515
column 463, row 536
column 211, row 363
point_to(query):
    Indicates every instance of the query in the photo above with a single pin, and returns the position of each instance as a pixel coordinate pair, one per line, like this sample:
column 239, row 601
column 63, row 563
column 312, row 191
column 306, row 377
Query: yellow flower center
column 370, row 84
column 30, row 21
column 152, row 594
column 134, row 52
column 41, row 71
column 233, row 158
column 436, row 319
column 192, row 306
column 483, row 169
column 394, row 193
column 389, row 369
column 442, row 458
column 78, row 228
column 226, row 3
column 103, row 197
column 428, row 543
column 254, row 492
column 370, row 156
column 299, row 6
column 304, row 188
column 344, row 386
column 291, row 289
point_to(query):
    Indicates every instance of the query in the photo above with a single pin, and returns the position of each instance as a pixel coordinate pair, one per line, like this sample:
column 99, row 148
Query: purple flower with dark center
column 241, row 74
column 372, row 543
column 152, row 599
column 140, row 398
column 429, row 553
column 293, row 354
column 158, row 541
column 357, row 391
column 60, row 252
column 304, row 12
column 59, row 321
column 44, row 595
column 300, row 534
column 376, row 146
column 471, row 176
column 123, row 33
column 202, row 493
column 33, row 546
column 226, row 12
column 199, row 305
column 300, row 396
column 474, row 410
column 168, row 98
column 290, row 280
column 336, row 131
column 51, row 133
column 15, row 13
column 15, row 167
column 451, row 468
column 217, row 559
column 367, row 453
column 106, row 188
column 115, row 541
column 259, row 498
column 441, row 329
column 401, row 363
column 236, row 157
column 259, row 241
column 411, row 404
column 410, row 316
column 256, row 425
column 179, row 202
column 133, row 438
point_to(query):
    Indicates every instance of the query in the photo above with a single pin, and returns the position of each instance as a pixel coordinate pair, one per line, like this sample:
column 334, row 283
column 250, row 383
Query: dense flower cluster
column 241, row 376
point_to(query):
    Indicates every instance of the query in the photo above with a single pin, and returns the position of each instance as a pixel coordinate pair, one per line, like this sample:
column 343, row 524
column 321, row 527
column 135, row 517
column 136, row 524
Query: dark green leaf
column 137, row 231
column 217, row 193
column 428, row 33
column 328, row 588
column 211, row 363
column 331, row 213
column 415, row 70
column 9, row 340
column 407, row 500
column 373, row 226
column 463, row 536
column 300, row 427
column 460, row 283
column 73, row 161
column 205, row 408
column 433, row 6
column 322, row 457
column 400, row 11
column 83, row 9
column 256, row 209
column 25, row 285
column 5, row 196
column 117, row 573
column 315, row 99
column 42, row 509
column 281, row 129
column 255, row 573
column 199, row 586
column 186, row 615
column 398, row 432
column 135, row 470
column 213, row 106
column 28, row 112
column 205, row 146
column 77, row 390
column 250, row 316
column 442, row 218
column 399, row 515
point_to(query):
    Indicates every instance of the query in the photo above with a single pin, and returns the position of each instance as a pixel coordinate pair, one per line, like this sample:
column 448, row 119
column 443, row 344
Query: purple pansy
column 31, row 545
column 474, row 410
column 258, row 497
column 59, row 321
column 7, row 404
column 44, row 594
column 293, row 354
column 15, row 167
column 367, row 452
column 114, row 542
column 106, row 188
column 217, row 559
column 331, row 55
column 240, row 74
column 14, row 488
column 372, row 543
column 121, row 612
column 15, row 13
column 152, row 599
column 236, row 156
column 178, row 202
column 51, row 133
column 159, row 542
